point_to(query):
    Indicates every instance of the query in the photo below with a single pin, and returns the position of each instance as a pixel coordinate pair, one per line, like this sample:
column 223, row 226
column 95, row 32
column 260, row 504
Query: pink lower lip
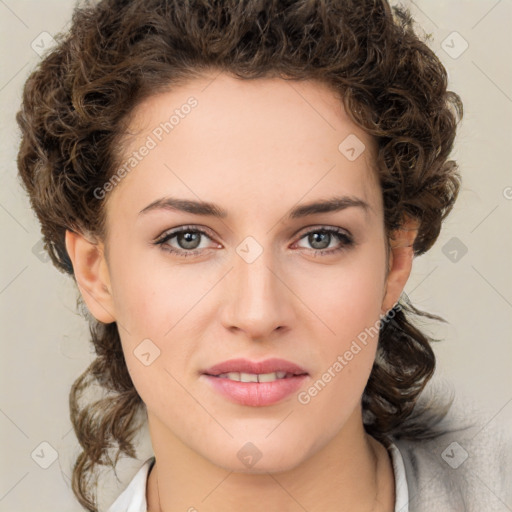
column 256, row 394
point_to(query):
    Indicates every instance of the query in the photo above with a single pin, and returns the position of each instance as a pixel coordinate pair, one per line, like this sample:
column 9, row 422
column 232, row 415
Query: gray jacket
column 465, row 468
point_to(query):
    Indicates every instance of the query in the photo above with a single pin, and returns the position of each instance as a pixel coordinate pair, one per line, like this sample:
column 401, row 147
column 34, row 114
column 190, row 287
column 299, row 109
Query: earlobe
column 400, row 262
column 92, row 276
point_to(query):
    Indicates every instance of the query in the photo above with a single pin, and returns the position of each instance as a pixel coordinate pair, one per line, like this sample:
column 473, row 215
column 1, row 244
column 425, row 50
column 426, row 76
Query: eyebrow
column 334, row 204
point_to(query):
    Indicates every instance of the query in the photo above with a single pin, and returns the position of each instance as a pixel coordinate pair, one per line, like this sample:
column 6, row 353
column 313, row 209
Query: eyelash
column 345, row 239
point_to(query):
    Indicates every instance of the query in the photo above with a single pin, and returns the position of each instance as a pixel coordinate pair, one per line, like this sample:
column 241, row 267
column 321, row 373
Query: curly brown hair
column 76, row 108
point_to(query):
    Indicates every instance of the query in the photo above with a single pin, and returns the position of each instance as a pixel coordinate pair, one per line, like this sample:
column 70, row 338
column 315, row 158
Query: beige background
column 45, row 342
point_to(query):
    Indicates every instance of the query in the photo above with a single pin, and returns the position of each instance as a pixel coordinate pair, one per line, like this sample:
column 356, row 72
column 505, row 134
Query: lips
column 255, row 367
column 255, row 383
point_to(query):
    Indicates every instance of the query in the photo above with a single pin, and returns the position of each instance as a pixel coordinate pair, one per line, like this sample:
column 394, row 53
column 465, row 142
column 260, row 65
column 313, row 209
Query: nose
column 258, row 301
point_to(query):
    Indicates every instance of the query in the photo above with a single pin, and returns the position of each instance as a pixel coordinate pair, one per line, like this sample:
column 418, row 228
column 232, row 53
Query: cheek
column 346, row 357
column 157, row 308
column 346, row 297
column 349, row 306
column 151, row 294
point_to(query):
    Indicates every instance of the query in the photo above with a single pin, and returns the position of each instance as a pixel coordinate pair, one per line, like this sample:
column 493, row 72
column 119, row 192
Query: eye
column 320, row 240
column 188, row 241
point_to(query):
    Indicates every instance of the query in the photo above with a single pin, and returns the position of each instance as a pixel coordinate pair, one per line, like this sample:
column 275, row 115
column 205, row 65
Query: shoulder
column 465, row 465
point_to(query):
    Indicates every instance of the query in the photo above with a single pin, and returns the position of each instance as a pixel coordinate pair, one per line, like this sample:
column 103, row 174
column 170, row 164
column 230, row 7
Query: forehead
column 217, row 135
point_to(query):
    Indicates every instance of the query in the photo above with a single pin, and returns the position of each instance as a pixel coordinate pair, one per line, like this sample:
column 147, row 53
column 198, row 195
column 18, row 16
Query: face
column 266, row 279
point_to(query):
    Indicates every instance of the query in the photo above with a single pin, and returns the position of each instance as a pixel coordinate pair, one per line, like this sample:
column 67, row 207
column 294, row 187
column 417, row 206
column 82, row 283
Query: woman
column 238, row 190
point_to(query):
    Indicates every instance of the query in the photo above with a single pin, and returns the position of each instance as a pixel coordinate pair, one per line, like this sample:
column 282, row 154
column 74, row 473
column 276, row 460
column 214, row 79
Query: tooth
column 253, row 377
column 267, row 377
column 248, row 377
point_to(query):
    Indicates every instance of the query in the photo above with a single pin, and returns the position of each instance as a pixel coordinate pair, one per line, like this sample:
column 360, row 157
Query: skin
column 257, row 149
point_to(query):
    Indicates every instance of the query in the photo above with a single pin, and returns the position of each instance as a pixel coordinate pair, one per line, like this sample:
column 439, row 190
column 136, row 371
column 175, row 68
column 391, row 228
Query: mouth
column 255, row 384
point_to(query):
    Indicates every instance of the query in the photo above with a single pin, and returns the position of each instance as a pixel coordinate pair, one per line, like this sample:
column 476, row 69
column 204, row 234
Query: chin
column 260, row 457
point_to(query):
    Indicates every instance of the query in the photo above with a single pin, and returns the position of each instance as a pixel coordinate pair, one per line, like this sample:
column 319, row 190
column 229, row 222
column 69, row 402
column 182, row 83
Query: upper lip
column 246, row 366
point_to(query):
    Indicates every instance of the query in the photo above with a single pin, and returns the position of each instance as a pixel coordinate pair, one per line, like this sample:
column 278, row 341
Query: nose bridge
column 257, row 299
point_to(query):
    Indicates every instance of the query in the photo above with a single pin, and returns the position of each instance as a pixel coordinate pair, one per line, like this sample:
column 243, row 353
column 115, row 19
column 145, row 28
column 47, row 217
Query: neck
column 351, row 472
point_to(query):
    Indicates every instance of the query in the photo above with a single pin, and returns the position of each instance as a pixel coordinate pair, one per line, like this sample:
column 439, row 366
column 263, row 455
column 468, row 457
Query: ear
column 91, row 274
column 400, row 262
